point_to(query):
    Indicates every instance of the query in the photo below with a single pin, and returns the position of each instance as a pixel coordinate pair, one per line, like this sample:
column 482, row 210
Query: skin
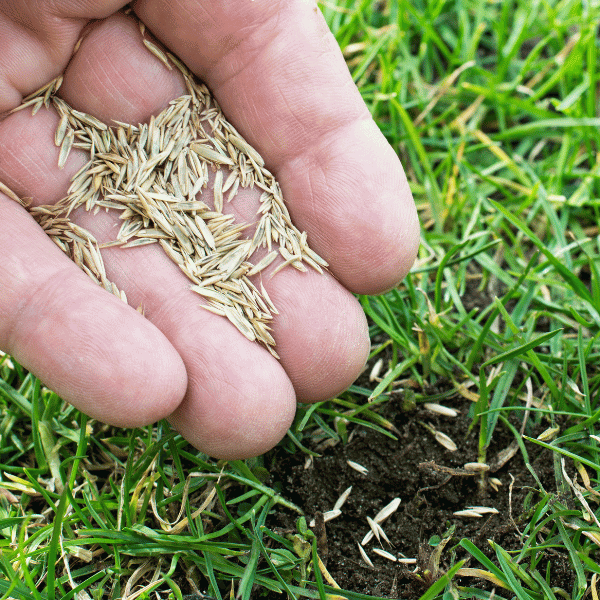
column 279, row 76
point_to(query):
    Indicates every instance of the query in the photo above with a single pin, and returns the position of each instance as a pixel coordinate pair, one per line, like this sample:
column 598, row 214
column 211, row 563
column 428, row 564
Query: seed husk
column 8, row 192
column 65, row 148
column 440, row 409
column 365, row 557
column 327, row 516
column 158, row 53
column 445, row 441
column 376, row 370
column 354, row 465
column 476, row 467
column 387, row 511
column 342, row 499
column 263, row 263
column 385, row 554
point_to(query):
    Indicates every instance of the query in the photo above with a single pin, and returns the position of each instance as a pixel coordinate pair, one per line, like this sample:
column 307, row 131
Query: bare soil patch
column 414, row 468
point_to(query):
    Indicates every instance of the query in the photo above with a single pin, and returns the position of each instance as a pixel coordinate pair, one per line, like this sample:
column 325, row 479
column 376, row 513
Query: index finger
column 279, row 75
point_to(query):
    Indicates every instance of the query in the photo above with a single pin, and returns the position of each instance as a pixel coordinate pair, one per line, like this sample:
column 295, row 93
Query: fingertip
column 387, row 255
column 321, row 332
column 147, row 377
column 115, row 77
column 247, row 412
column 352, row 197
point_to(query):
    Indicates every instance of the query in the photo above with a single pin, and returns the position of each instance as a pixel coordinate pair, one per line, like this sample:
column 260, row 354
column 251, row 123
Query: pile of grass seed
column 153, row 173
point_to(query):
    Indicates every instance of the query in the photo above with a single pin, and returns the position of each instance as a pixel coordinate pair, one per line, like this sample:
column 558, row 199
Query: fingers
column 239, row 400
column 88, row 346
column 280, row 77
column 37, row 40
column 321, row 332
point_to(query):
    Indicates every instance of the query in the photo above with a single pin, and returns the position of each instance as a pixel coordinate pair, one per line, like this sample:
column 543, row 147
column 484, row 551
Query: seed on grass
column 365, row 557
column 357, row 467
column 549, row 434
column 376, row 370
column 385, row 554
column 440, row 409
column 81, row 553
column 387, row 511
column 342, row 499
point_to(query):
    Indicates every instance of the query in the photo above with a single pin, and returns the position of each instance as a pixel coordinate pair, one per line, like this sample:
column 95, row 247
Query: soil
column 414, row 468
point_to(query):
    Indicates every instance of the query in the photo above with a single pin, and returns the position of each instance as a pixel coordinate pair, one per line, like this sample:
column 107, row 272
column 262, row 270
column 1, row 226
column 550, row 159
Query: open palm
column 280, row 78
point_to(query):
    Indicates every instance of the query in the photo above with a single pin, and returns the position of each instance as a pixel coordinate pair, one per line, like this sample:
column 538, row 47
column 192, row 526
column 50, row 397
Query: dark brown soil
column 429, row 494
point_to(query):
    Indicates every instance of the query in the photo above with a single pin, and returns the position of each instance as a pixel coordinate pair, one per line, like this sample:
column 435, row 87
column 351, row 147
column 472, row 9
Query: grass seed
column 151, row 174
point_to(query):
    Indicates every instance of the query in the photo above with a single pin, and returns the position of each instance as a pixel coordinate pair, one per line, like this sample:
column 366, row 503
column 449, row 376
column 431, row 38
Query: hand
column 280, row 78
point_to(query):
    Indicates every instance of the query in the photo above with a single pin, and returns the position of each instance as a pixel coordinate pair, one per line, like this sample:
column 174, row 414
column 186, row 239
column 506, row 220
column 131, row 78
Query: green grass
column 493, row 107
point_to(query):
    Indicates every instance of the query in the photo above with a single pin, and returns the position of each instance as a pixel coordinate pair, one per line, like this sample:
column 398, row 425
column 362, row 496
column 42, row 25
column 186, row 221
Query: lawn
column 493, row 108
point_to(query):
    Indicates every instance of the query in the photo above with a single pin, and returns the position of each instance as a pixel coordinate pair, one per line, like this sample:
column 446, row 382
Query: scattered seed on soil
column 495, row 483
column 484, row 510
column 368, row 537
column 445, row 441
column 152, row 173
column 476, row 511
column 385, row 554
column 374, row 528
column 328, row 516
column 468, row 513
column 365, row 557
column 357, row 467
column 440, row 409
column 378, row 532
column 476, row 467
column 342, row 499
column 387, row 511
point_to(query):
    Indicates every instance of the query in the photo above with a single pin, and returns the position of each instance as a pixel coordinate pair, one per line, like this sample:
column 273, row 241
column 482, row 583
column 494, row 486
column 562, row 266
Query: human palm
column 280, row 78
